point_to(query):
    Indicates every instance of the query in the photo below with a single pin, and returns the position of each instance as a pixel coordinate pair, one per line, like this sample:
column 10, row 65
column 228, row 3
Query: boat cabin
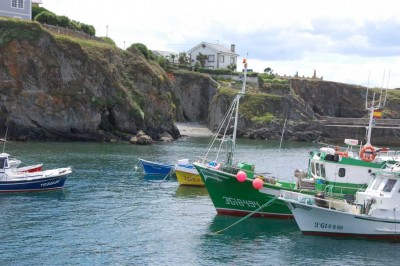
column 382, row 193
column 4, row 164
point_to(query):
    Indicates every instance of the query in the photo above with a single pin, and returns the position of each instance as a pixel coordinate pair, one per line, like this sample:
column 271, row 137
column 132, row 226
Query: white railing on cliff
column 70, row 32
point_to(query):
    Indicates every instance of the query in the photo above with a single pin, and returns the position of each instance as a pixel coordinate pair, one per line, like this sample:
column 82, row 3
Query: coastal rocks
column 58, row 89
column 165, row 137
column 141, row 139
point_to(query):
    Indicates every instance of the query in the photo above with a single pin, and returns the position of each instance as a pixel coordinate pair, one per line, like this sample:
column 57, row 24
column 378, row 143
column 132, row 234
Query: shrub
column 88, row 29
column 63, row 21
column 47, row 18
column 220, row 71
column 108, row 40
column 36, row 10
column 75, row 25
column 142, row 49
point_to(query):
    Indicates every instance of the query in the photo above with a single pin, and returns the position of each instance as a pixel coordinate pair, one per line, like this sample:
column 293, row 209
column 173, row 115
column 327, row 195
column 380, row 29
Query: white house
column 170, row 56
column 218, row 56
column 17, row 8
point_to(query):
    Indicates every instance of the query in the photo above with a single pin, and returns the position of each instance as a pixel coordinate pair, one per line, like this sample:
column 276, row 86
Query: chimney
column 232, row 48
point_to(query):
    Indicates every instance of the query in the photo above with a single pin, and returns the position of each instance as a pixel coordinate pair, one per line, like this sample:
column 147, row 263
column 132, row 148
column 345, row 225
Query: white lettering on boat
column 241, row 202
column 50, row 183
column 328, row 226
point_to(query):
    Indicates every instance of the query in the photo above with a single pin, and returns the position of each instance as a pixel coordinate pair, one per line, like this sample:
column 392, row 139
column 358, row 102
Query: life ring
column 367, row 153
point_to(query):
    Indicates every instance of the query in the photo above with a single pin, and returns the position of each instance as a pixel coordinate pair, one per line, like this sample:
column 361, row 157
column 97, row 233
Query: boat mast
column 238, row 96
column 371, row 120
column 372, row 108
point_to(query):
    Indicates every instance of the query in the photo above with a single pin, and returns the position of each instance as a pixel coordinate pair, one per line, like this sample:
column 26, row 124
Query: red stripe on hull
column 375, row 237
column 258, row 215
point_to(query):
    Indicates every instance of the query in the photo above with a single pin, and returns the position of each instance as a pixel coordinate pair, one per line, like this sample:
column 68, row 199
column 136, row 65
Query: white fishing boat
column 25, row 181
column 374, row 213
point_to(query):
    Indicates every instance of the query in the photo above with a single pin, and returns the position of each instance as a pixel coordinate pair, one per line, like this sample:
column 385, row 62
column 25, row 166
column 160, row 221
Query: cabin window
column 322, row 170
column 211, row 58
column 317, row 169
column 313, row 168
column 222, row 59
column 17, row 4
column 2, row 163
column 232, row 60
column 378, row 182
column 389, row 185
column 342, row 172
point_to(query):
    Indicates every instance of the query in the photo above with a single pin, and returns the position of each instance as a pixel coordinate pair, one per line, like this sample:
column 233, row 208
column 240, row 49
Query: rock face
column 54, row 88
column 193, row 95
column 57, row 88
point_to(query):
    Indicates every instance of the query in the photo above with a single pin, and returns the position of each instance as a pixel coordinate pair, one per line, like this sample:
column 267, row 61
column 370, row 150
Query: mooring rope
column 126, row 212
column 247, row 216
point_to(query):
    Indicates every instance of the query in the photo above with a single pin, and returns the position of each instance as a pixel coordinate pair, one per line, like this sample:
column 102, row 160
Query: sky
column 349, row 41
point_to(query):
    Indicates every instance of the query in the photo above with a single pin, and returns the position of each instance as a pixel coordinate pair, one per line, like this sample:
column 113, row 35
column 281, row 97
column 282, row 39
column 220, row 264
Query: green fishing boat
column 238, row 190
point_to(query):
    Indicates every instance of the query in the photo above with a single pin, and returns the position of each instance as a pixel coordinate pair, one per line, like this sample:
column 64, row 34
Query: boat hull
column 314, row 220
column 153, row 168
column 42, row 184
column 231, row 197
column 187, row 175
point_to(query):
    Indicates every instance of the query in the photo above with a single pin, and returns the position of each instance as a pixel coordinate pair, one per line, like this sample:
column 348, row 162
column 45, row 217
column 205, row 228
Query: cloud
column 338, row 38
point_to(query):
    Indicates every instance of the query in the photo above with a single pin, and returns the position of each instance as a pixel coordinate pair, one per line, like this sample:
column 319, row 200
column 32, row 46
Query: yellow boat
column 187, row 174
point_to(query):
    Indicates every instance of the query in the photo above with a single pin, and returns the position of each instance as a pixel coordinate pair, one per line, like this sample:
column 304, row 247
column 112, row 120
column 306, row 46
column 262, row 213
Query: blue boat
column 155, row 168
column 16, row 181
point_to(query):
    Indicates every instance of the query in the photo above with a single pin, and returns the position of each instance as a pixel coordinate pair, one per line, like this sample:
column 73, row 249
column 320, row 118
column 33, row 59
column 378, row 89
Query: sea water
column 109, row 214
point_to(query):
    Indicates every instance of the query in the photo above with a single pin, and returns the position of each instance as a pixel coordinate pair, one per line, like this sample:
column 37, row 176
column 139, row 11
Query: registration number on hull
column 328, row 226
column 241, row 202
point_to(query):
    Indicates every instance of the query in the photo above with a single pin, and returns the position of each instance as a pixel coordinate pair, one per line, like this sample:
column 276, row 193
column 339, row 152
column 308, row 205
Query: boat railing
column 234, row 169
column 318, row 200
column 340, row 190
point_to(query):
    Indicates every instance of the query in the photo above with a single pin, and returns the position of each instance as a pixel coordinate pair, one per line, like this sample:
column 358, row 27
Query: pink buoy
column 241, row 176
column 258, row 183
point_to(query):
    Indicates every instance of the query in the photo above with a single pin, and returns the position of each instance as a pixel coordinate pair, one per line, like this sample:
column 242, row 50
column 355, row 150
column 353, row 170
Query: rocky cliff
column 57, row 88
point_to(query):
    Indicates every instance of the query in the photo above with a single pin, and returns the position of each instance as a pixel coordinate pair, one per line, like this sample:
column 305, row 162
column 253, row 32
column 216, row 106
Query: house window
column 222, row 58
column 211, row 58
column 17, row 4
column 232, row 60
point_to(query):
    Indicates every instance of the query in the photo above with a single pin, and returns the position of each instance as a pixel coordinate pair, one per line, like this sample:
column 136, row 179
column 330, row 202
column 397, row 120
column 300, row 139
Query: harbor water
column 110, row 214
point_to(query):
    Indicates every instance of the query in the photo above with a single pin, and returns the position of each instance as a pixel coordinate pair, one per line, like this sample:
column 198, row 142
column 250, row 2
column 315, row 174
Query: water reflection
column 191, row 191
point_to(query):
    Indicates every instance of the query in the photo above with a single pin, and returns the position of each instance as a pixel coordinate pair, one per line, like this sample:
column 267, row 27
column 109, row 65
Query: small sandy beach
column 193, row 129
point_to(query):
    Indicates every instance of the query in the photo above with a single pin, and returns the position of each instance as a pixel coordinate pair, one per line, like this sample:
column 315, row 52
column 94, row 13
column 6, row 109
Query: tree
column 202, row 59
column 268, row 70
column 173, row 58
column 232, row 67
column 183, row 58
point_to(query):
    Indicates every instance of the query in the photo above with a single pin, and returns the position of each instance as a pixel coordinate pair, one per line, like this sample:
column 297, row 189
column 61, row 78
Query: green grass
column 17, row 29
